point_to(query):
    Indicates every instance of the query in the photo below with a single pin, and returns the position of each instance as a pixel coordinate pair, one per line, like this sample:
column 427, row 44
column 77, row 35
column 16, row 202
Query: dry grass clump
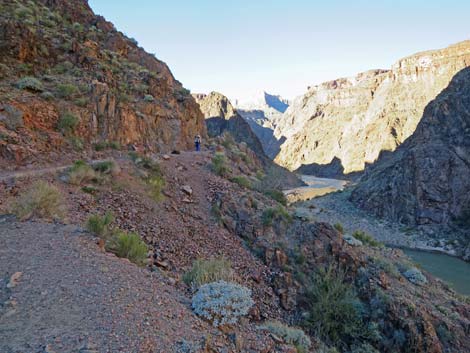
column 207, row 271
column 42, row 200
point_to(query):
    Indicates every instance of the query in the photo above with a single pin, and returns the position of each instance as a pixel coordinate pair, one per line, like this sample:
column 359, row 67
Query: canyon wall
column 354, row 119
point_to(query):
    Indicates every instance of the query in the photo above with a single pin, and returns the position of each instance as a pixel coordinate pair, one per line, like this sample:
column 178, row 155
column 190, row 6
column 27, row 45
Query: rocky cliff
column 222, row 117
column 70, row 79
column 353, row 119
column 425, row 181
column 261, row 113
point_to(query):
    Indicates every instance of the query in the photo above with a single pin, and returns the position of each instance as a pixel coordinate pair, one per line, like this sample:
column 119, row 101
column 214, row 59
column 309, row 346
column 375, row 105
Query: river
column 454, row 271
column 315, row 187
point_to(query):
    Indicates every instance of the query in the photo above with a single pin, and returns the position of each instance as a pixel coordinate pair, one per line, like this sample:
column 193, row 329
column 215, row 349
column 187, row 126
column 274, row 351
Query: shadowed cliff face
column 426, row 181
column 86, row 68
column 221, row 116
column 353, row 119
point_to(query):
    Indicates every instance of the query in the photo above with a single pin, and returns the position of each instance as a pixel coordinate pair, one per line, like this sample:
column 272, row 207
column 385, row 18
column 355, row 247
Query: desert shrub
column 42, row 200
column 222, row 302
column 63, row 67
column 366, row 238
column 81, row 102
column 76, row 143
column 277, row 195
column 130, row 246
column 242, row 181
column 30, row 83
column 100, row 225
column 67, row 123
column 219, row 166
column 48, row 96
column 156, row 183
column 66, row 90
column 279, row 213
column 100, row 146
column 415, row 276
column 339, row 227
column 12, row 117
column 207, row 271
column 289, row 335
column 81, row 173
column 149, row 98
column 333, row 308
column 105, row 167
column 386, row 266
column 114, row 145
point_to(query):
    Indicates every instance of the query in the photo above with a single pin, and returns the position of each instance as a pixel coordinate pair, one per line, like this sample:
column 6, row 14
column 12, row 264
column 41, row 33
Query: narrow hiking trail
column 81, row 297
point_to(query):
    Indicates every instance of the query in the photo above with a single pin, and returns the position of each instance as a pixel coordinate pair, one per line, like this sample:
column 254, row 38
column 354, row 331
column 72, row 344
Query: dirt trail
column 70, row 295
column 43, row 171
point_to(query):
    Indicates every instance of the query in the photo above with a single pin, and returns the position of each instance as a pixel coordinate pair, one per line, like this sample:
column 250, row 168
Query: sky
column 246, row 46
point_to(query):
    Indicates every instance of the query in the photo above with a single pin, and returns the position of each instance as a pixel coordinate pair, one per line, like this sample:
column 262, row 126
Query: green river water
column 450, row 269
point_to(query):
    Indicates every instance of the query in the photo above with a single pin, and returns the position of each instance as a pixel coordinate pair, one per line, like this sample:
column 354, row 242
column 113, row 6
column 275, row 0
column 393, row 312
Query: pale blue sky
column 238, row 47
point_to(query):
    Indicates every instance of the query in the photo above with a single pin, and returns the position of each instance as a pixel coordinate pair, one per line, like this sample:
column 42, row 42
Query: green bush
column 206, row 271
column 366, row 238
column 277, row 195
column 66, row 90
column 149, row 98
column 100, row 146
column 100, row 225
column 76, row 143
column 81, row 102
column 67, row 123
column 30, row 83
column 156, row 182
column 130, row 246
column 333, row 308
column 81, row 173
column 219, row 166
column 339, row 227
column 42, row 200
column 105, row 167
column 242, row 181
column 289, row 335
column 279, row 213
column 48, row 96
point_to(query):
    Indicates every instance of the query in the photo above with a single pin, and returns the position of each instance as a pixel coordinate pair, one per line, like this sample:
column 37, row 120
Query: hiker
column 197, row 142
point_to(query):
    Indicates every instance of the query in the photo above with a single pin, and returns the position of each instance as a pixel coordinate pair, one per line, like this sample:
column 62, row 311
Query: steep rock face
column 221, row 116
column 425, row 181
column 354, row 119
column 85, row 68
column 261, row 114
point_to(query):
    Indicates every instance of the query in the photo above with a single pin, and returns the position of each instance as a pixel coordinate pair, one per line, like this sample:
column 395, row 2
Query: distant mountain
column 354, row 119
column 261, row 112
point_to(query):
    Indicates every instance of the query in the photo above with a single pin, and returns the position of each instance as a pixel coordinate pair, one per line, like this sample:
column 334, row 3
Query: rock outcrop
column 261, row 113
column 426, row 180
column 354, row 119
column 76, row 64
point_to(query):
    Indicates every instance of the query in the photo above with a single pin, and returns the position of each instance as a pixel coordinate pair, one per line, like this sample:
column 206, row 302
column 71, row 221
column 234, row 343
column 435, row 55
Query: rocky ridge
column 353, row 119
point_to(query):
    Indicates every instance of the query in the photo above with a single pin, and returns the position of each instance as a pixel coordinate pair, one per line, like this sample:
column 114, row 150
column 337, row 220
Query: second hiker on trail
column 197, row 142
